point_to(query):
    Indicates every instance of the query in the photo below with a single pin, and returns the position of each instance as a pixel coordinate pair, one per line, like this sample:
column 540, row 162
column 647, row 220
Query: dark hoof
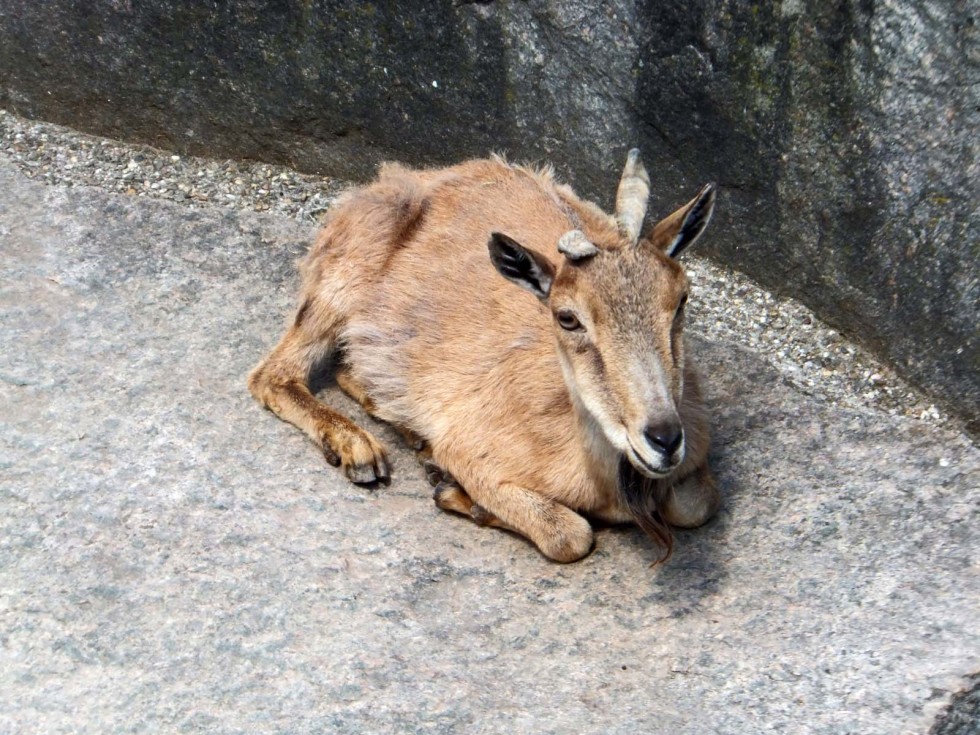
column 440, row 492
column 481, row 515
column 331, row 456
column 362, row 475
column 369, row 474
column 435, row 474
column 450, row 497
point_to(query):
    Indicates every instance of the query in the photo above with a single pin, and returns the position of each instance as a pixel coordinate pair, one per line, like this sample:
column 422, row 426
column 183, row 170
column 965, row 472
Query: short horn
column 632, row 195
column 574, row 245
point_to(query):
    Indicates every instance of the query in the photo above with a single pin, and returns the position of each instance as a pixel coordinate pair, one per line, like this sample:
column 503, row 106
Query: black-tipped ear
column 678, row 231
column 520, row 265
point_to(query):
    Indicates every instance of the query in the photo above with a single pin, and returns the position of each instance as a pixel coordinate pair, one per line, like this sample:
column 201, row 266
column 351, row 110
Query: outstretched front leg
column 281, row 384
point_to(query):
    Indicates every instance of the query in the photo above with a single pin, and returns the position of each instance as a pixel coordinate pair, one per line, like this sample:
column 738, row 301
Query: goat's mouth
column 652, row 471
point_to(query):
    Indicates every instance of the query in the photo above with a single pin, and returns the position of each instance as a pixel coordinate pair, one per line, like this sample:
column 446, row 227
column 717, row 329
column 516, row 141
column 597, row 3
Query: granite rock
column 963, row 715
column 176, row 559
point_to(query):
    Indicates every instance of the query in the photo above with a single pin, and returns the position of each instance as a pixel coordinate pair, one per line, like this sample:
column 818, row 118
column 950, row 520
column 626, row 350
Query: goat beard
column 640, row 493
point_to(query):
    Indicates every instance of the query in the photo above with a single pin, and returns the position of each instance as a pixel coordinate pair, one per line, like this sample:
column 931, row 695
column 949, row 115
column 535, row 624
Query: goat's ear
column 520, row 265
column 679, row 230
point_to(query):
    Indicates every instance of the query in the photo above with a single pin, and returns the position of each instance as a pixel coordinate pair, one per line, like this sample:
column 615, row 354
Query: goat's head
column 618, row 312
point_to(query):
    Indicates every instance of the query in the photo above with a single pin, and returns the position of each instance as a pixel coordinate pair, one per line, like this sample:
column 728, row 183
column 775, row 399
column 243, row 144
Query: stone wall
column 842, row 134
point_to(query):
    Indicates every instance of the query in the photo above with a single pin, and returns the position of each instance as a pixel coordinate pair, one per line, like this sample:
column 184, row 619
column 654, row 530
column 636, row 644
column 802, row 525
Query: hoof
column 368, row 475
column 362, row 457
column 436, row 475
column 481, row 516
column 450, row 497
column 333, row 459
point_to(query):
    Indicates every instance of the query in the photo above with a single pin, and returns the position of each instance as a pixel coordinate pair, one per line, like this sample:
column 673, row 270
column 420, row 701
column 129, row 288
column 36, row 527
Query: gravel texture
column 725, row 305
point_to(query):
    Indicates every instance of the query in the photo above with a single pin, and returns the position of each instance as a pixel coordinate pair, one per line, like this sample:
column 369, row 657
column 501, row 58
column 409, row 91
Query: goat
column 536, row 409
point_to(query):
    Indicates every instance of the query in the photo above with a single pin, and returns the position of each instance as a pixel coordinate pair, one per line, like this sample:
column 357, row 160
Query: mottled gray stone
column 963, row 715
column 842, row 135
column 175, row 559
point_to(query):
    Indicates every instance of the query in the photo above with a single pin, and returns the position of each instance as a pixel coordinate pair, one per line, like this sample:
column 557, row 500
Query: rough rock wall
column 842, row 133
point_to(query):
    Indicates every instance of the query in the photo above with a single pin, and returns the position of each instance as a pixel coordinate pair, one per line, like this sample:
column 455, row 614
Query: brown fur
column 399, row 289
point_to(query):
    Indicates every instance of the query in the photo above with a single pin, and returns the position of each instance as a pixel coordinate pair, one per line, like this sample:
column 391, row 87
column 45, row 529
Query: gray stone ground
column 174, row 559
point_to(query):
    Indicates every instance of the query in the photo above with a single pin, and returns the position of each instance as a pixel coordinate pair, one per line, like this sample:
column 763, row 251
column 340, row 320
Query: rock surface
column 963, row 715
column 842, row 134
column 176, row 559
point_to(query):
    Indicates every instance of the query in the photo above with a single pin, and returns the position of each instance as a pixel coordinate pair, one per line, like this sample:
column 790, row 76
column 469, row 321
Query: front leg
column 452, row 498
column 356, row 390
column 281, row 384
column 690, row 501
column 559, row 532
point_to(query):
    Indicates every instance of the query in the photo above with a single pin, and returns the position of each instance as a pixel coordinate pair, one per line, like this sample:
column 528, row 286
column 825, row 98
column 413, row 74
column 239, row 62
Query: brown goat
column 535, row 408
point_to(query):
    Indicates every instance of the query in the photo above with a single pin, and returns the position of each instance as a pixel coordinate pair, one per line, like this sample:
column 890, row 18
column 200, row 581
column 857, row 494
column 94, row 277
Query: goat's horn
column 632, row 195
column 574, row 245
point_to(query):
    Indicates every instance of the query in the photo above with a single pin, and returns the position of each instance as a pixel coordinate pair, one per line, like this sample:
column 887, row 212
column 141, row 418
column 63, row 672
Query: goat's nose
column 666, row 437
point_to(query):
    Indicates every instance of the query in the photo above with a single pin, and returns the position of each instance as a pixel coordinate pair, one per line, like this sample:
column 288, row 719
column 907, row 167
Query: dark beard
column 640, row 494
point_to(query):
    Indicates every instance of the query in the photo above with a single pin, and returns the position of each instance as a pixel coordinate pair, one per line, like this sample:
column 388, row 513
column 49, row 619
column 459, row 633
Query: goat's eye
column 569, row 322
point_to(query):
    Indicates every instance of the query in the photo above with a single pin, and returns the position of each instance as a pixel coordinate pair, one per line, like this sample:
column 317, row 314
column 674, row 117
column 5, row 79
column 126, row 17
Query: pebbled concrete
column 174, row 559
